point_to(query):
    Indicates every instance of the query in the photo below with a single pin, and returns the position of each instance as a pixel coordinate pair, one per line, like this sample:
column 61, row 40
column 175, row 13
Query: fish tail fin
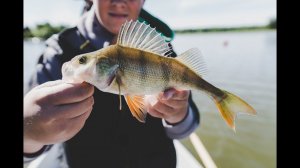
column 230, row 106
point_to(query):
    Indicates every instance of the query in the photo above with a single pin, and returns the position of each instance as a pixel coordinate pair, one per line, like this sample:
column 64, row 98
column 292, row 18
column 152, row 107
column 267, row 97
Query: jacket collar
column 93, row 31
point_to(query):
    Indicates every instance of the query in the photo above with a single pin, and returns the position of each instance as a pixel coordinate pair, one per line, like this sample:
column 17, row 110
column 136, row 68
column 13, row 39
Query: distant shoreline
column 44, row 31
column 39, row 39
column 231, row 29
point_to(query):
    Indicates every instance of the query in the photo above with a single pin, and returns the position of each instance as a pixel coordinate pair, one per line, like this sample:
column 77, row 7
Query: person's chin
column 119, row 21
column 117, row 24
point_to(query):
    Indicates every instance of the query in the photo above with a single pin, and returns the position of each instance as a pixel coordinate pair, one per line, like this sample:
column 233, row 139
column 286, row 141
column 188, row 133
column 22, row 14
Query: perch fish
column 138, row 65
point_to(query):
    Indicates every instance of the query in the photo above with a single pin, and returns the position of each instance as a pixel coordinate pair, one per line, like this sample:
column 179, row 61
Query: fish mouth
column 67, row 72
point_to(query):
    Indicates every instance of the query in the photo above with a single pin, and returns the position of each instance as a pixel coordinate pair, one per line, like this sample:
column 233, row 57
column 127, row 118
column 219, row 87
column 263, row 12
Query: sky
column 178, row 14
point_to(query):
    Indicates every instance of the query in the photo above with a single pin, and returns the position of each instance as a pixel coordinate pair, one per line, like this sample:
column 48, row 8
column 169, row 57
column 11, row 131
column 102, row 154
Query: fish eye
column 82, row 60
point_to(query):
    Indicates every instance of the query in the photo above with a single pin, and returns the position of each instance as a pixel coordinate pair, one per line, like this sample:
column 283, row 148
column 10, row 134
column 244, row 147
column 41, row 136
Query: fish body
column 141, row 72
column 137, row 66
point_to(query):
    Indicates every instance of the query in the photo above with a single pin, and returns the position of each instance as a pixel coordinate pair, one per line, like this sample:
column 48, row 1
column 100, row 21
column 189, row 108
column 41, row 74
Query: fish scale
column 137, row 80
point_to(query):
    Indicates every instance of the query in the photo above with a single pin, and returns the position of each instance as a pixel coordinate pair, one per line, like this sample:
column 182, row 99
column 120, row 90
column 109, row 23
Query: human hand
column 54, row 112
column 172, row 105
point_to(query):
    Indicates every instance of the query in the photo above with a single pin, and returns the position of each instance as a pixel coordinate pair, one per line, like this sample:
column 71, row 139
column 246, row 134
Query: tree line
column 44, row 31
column 270, row 25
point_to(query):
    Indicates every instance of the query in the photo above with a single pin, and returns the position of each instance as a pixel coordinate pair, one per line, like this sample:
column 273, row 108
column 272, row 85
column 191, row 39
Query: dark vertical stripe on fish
column 185, row 75
column 166, row 65
column 119, row 59
column 142, row 66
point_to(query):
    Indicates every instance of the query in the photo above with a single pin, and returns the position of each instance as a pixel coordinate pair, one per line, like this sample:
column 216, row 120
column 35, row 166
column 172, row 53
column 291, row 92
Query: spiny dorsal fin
column 141, row 36
column 194, row 60
column 137, row 107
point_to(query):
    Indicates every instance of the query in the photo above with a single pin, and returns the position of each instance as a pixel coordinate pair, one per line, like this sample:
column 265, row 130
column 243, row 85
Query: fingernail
column 168, row 95
column 86, row 85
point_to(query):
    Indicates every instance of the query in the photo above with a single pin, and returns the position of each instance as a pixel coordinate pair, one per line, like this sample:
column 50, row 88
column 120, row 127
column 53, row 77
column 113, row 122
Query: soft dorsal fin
column 194, row 60
column 137, row 107
column 141, row 36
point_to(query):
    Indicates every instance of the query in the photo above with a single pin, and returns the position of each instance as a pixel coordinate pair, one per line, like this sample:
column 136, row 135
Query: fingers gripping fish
column 138, row 65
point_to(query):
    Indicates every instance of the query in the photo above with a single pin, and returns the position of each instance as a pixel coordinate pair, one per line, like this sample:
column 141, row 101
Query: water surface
column 243, row 63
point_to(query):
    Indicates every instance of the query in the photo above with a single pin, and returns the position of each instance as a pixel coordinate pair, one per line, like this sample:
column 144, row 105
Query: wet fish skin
column 134, row 71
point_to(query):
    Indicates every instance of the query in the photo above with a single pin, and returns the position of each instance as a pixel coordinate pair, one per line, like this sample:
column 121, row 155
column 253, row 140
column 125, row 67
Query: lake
column 243, row 63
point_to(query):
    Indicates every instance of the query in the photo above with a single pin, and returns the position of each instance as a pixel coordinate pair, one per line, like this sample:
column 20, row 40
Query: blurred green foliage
column 42, row 31
column 272, row 24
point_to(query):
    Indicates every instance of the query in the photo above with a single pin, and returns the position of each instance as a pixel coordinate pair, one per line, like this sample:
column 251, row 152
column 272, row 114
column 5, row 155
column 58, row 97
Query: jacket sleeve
column 49, row 65
column 27, row 158
column 185, row 127
column 54, row 157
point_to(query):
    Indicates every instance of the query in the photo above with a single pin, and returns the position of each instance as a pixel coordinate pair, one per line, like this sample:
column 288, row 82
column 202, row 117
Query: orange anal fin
column 137, row 107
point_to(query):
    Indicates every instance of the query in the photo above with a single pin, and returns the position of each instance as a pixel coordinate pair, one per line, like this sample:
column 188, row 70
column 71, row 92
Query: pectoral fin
column 119, row 82
column 137, row 106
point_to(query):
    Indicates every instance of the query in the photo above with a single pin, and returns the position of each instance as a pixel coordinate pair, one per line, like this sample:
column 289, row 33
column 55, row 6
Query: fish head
column 80, row 68
column 98, row 68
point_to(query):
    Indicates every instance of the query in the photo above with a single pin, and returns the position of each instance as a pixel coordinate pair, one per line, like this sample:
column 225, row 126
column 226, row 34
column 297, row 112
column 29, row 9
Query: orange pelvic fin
column 137, row 107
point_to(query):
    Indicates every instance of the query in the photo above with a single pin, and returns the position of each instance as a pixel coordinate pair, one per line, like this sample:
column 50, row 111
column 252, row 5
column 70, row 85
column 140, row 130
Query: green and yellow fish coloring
column 138, row 65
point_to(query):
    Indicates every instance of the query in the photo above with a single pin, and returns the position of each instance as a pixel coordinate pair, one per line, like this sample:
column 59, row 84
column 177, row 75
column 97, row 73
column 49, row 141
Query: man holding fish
column 95, row 131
